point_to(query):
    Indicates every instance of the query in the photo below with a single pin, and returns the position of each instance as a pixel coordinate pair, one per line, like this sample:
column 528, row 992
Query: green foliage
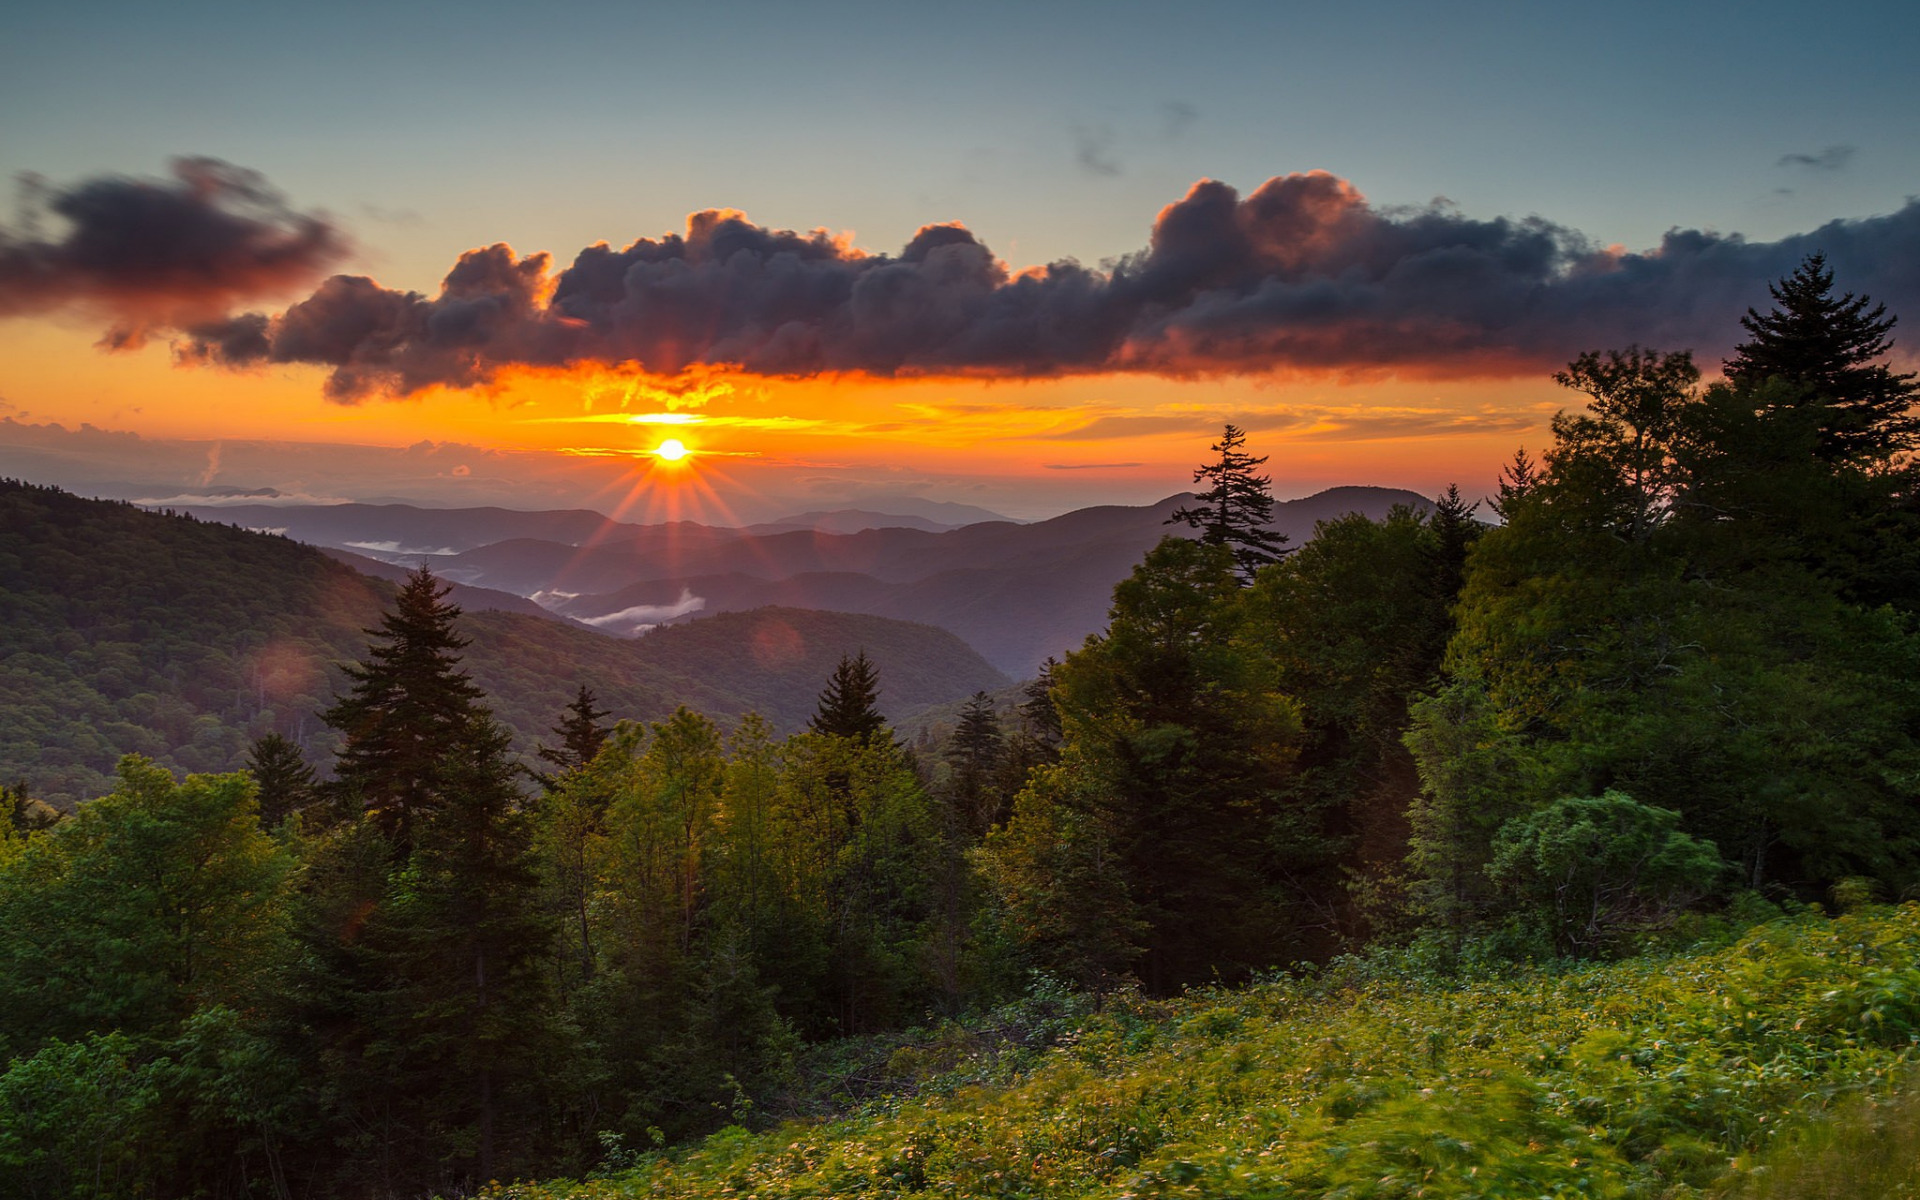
column 1597, row 867
column 148, row 903
column 283, row 780
column 1868, row 1146
column 1641, row 1079
column 1176, row 749
column 78, row 1120
column 581, row 733
column 1682, row 606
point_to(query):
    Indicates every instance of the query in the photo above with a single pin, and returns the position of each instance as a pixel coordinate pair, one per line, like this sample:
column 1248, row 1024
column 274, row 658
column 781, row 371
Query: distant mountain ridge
column 1017, row 593
column 127, row 631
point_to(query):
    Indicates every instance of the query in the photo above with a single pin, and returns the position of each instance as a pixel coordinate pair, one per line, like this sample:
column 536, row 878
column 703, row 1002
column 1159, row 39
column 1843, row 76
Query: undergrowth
column 1656, row 1077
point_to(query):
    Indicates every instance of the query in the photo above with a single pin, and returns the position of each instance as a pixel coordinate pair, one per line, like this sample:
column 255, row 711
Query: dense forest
column 1677, row 683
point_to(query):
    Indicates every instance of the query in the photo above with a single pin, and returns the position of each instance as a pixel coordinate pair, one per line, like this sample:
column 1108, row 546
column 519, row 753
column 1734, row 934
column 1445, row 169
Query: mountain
column 395, row 531
column 128, row 631
column 468, row 597
column 847, row 520
column 1017, row 593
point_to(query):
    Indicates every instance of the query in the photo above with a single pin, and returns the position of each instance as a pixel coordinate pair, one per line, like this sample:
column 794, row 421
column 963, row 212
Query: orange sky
column 1108, row 436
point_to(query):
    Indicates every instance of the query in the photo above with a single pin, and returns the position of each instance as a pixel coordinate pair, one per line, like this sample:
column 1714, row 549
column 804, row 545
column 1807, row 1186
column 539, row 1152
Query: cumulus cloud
column 1303, row 273
column 149, row 253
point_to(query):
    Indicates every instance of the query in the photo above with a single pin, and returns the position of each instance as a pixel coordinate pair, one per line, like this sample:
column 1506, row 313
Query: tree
column 24, row 813
column 1831, row 346
column 1593, row 868
column 440, row 983
column 1455, row 530
column 846, row 707
column 581, row 735
column 285, row 781
column 144, row 905
column 411, row 706
column 1237, row 509
column 974, row 754
column 1177, row 749
column 1621, row 450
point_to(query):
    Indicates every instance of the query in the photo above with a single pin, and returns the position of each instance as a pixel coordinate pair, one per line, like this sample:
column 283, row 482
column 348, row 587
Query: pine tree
column 286, row 781
column 443, row 975
column 975, row 753
column 846, row 707
column 1831, row 347
column 1237, row 509
column 1454, row 531
column 581, row 736
column 410, row 707
column 1519, row 479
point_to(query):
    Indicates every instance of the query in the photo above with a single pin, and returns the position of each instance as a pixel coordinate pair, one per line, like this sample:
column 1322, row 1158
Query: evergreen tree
column 469, row 939
column 1237, row 509
column 1454, row 532
column 286, row 781
column 846, row 707
column 1831, row 346
column 411, row 705
column 974, row 754
column 438, row 986
column 1178, row 745
column 1518, row 479
column 581, row 735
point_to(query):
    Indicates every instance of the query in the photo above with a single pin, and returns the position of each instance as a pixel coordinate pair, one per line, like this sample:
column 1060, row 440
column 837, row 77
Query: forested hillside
column 123, row 631
column 1426, row 767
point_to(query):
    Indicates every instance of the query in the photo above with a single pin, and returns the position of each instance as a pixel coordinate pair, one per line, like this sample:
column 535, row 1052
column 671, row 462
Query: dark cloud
column 161, row 252
column 1301, row 274
column 1833, row 158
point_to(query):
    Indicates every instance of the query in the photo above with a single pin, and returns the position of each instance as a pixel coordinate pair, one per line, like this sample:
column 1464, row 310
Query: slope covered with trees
column 123, row 631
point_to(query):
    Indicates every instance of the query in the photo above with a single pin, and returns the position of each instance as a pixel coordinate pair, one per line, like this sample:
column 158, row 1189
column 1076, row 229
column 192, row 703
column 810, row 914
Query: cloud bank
column 1300, row 274
column 170, row 253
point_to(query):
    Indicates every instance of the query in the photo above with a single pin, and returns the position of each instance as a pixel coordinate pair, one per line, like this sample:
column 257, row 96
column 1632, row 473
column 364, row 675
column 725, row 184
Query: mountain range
column 125, row 631
column 1016, row 593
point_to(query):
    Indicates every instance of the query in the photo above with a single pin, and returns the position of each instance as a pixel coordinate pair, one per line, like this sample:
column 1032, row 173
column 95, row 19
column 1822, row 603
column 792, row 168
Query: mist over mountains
column 1016, row 593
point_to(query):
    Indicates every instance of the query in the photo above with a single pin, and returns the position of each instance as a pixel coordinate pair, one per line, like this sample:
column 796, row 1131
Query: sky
column 1028, row 257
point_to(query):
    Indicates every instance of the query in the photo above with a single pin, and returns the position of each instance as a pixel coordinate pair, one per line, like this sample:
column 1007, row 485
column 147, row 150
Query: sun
column 672, row 450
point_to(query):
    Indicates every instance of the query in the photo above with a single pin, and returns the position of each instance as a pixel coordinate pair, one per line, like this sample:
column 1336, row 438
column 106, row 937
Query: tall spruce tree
column 441, row 977
column 410, row 706
column 286, row 781
column 1833, row 347
column 974, row 754
column 1237, row 509
column 846, row 707
column 581, row 736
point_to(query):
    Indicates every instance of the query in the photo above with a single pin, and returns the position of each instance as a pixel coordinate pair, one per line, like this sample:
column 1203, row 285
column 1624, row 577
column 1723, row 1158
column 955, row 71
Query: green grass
column 1648, row 1078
